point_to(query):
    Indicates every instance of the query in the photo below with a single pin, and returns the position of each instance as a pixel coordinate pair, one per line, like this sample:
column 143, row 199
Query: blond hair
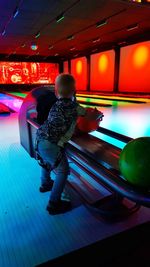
column 65, row 85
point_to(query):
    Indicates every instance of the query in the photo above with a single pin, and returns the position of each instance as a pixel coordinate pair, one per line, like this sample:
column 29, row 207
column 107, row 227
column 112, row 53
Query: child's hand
column 95, row 115
column 100, row 117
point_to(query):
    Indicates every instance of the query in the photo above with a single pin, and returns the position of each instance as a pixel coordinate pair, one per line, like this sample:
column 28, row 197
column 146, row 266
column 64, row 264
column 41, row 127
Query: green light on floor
column 114, row 103
column 23, row 95
column 88, row 100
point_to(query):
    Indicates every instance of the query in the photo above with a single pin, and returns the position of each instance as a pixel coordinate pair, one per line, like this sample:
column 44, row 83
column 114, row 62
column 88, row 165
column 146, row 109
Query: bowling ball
column 134, row 162
column 86, row 125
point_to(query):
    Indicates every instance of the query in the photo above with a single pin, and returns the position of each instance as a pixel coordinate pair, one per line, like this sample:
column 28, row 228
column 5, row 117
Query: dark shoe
column 61, row 206
column 46, row 188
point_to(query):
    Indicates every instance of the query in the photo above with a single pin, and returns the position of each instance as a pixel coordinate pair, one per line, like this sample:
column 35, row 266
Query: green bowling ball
column 134, row 162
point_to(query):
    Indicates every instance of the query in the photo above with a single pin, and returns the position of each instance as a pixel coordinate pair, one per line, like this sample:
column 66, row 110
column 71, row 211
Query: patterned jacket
column 59, row 126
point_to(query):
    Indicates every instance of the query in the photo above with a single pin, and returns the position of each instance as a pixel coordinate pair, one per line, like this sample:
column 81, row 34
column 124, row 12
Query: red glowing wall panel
column 102, row 71
column 79, row 71
column 135, row 68
column 66, row 67
column 28, row 73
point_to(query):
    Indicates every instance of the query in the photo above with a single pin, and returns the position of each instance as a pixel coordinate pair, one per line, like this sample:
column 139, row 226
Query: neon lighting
column 102, row 71
column 3, row 32
column 79, row 67
column 37, row 35
column 16, row 13
column 96, row 40
column 72, row 48
column 50, row 47
column 103, row 63
column 135, row 68
column 141, row 56
column 60, row 18
column 28, row 72
column 101, row 23
column 132, row 27
column 34, row 47
column 79, row 71
column 71, row 37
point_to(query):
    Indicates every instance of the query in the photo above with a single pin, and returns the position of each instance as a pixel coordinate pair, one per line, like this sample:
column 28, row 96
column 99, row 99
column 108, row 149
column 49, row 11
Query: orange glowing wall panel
column 28, row 72
column 102, row 71
column 66, row 67
column 79, row 71
column 135, row 68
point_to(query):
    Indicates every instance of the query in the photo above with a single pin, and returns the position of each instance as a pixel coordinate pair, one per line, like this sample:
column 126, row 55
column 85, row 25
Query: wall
column 134, row 74
column 79, row 71
column 66, row 67
column 102, row 71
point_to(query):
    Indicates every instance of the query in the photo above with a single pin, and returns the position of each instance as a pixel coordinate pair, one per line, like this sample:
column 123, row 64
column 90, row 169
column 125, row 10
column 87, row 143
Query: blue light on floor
column 109, row 139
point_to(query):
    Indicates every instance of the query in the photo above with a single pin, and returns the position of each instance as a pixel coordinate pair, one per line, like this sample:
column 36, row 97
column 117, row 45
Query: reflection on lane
column 109, row 139
column 132, row 121
column 96, row 101
column 23, row 95
column 11, row 102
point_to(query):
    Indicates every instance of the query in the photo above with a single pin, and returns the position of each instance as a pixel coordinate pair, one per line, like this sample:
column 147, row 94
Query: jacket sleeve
column 64, row 139
column 81, row 111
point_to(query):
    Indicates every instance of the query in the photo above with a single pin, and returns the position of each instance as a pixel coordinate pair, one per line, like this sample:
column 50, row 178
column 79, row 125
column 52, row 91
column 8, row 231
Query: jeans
column 49, row 151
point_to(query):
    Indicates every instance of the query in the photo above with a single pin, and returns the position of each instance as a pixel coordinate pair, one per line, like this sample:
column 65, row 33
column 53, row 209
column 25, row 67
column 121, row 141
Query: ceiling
column 80, row 19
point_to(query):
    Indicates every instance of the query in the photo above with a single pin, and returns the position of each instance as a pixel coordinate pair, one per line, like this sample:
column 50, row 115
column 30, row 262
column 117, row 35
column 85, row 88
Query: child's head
column 65, row 86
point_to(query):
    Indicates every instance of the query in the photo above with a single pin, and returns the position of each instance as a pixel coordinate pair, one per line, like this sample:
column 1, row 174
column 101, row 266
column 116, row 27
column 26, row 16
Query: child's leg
column 49, row 153
column 62, row 172
column 45, row 176
column 46, row 182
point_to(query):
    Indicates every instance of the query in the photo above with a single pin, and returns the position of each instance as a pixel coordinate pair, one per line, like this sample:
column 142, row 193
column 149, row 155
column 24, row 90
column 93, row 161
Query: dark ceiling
column 80, row 18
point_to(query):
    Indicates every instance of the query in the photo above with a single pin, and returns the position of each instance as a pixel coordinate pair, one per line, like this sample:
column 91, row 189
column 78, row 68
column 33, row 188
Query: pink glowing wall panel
column 79, row 71
column 135, row 68
column 28, row 73
column 102, row 71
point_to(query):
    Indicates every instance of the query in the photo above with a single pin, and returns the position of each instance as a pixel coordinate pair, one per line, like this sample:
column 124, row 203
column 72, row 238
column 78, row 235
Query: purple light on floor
column 11, row 102
column 17, row 103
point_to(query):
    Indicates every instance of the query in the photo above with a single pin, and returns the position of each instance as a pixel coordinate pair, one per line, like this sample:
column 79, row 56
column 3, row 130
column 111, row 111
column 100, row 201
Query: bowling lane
column 89, row 100
column 97, row 100
column 18, row 94
column 116, row 97
column 129, row 119
column 109, row 139
column 11, row 102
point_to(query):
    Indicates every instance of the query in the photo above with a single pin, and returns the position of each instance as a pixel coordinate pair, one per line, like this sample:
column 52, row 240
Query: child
column 51, row 138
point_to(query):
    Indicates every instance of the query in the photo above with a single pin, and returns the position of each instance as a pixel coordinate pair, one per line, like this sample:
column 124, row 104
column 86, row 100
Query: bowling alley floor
column 29, row 236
